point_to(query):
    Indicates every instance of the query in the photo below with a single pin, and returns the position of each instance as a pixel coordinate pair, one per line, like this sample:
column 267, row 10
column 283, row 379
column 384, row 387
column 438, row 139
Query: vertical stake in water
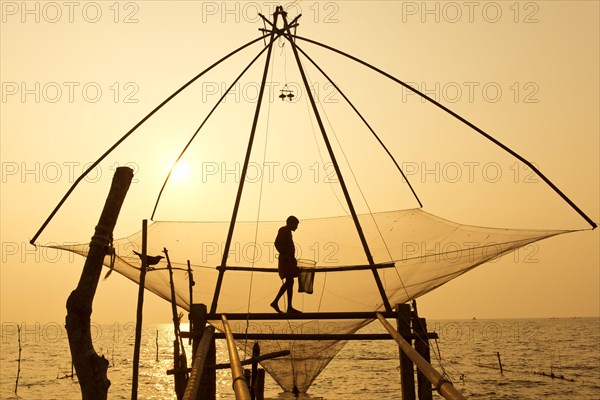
column 157, row 345
column 500, row 362
column 140, row 306
column 19, row 360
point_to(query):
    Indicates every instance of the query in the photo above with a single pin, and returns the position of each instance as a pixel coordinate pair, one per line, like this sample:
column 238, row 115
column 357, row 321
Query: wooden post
column 248, row 378
column 259, row 389
column 91, row 368
column 254, row 376
column 180, row 367
column 422, row 347
column 208, row 380
column 191, row 284
column 180, row 360
column 140, row 311
column 407, row 371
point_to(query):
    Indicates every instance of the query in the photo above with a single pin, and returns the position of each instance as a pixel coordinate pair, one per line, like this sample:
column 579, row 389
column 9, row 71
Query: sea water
column 468, row 352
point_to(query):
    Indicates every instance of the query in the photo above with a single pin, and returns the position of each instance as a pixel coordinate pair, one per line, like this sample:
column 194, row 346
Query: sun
column 181, row 171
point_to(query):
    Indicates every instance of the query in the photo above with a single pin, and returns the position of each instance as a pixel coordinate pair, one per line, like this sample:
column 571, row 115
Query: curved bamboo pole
column 240, row 386
column 200, row 127
column 125, row 136
column 519, row 157
column 364, row 122
column 443, row 386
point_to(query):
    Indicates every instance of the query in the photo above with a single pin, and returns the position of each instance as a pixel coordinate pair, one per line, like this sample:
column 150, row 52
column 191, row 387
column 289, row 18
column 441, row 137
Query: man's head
column 292, row 222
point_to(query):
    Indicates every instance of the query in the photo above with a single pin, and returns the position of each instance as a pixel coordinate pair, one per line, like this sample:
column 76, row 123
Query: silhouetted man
column 287, row 265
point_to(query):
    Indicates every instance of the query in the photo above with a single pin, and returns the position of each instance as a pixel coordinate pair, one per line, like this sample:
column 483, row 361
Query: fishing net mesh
column 414, row 252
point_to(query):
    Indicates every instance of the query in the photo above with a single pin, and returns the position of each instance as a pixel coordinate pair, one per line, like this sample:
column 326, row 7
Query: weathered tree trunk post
column 91, row 368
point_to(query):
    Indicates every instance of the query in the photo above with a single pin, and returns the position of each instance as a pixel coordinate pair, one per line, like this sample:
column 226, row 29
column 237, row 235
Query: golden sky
column 76, row 76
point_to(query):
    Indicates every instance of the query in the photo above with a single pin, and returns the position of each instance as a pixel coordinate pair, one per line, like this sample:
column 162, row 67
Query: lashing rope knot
column 443, row 380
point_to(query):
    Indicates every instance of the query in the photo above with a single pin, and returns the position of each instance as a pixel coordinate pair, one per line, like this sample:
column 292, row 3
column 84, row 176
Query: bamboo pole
column 240, row 386
column 139, row 313
column 180, row 359
column 90, row 367
column 307, row 336
column 238, row 198
column 442, row 385
column 193, row 382
column 305, row 315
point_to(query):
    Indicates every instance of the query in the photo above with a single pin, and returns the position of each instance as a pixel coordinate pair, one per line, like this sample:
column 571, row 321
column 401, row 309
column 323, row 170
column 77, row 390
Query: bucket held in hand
column 306, row 276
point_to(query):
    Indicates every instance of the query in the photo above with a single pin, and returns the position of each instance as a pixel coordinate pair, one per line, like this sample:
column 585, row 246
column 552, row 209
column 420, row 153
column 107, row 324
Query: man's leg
column 290, row 292
column 275, row 302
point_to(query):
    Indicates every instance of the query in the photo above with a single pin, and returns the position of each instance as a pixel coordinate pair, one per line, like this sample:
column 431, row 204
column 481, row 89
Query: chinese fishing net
column 285, row 163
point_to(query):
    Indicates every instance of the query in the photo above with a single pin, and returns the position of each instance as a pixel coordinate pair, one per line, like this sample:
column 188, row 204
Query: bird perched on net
column 150, row 260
